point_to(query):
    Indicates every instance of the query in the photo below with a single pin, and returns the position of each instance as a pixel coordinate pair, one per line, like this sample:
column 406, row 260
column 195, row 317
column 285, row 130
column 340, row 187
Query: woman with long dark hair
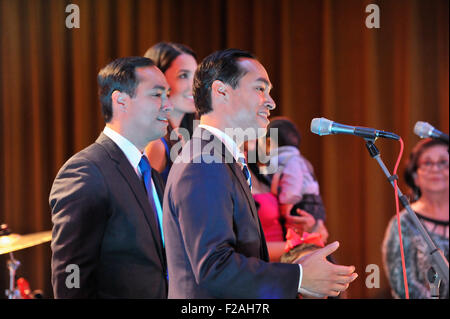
column 178, row 63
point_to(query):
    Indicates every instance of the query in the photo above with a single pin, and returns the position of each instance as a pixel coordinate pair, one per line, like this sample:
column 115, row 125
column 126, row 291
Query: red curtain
column 322, row 60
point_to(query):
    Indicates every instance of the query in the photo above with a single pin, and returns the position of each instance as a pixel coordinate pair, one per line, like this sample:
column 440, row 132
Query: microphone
column 424, row 129
column 323, row 126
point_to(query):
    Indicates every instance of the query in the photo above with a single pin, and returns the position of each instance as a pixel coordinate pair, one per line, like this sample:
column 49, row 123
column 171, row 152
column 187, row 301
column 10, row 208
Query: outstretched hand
column 322, row 277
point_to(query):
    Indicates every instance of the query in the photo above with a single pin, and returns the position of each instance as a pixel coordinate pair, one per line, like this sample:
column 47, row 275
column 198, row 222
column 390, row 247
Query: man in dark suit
column 106, row 201
column 215, row 243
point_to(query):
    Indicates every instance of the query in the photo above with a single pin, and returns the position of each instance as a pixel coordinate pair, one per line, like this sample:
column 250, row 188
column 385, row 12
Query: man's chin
column 163, row 132
column 262, row 130
column 157, row 135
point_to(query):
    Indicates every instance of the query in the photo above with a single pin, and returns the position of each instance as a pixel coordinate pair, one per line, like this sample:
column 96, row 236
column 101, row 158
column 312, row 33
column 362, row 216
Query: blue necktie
column 245, row 171
column 146, row 171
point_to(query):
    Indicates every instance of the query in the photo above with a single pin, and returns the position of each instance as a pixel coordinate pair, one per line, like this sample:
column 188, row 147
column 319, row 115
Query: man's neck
column 122, row 131
column 233, row 147
column 217, row 123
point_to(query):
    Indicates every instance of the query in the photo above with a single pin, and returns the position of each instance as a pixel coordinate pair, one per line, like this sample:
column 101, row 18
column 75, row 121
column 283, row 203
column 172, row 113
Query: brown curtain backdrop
column 321, row 58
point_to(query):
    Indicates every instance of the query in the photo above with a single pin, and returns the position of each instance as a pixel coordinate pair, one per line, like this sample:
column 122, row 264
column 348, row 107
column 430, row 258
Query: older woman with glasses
column 427, row 174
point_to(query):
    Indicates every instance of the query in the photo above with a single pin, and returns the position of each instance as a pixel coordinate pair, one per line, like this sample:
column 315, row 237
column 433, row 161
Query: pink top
column 269, row 215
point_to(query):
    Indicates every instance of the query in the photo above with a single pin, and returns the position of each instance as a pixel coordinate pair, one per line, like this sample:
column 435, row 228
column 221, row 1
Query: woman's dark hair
column 220, row 65
column 288, row 134
column 412, row 163
column 119, row 75
column 163, row 54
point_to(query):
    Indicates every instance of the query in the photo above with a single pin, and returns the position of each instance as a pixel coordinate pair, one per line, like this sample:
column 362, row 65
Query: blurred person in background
column 178, row 63
column 427, row 175
column 294, row 183
column 272, row 222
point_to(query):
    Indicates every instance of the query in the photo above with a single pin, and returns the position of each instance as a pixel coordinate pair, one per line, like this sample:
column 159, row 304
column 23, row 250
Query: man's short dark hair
column 220, row 65
column 288, row 134
column 119, row 75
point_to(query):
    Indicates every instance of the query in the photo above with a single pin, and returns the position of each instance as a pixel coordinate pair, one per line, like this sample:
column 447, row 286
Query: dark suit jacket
column 214, row 240
column 104, row 224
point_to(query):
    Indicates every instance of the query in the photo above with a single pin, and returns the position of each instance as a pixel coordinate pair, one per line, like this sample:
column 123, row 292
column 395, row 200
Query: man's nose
column 166, row 105
column 270, row 103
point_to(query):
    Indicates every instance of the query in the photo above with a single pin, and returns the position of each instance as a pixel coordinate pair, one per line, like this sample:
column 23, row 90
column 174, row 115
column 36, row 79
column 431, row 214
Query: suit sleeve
column 78, row 200
column 205, row 204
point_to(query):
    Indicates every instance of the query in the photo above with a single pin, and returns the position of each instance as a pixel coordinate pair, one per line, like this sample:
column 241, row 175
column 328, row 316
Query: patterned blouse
column 417, row 260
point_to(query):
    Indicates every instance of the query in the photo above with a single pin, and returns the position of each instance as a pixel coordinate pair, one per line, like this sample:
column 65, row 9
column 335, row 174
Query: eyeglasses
column 428, row 165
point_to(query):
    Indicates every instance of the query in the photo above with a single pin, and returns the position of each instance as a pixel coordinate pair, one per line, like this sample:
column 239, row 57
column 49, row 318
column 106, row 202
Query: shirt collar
column 226, row 140
column 131, row 152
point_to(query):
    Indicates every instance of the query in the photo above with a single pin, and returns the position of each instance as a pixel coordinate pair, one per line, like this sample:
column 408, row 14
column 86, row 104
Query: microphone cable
column 397, row 207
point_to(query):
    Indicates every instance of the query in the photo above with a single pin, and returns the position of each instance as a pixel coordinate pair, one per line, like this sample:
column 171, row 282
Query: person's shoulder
column 154, row 148
column 204, row 164
column 296, row 160
column 200, row 152
column 87, row 162
column 289, row 155
column 83, row 155
column 156, row 154
column 188, row 181
column 92, row 154
column 80, row 177
column 406, row 225
column 204, row 167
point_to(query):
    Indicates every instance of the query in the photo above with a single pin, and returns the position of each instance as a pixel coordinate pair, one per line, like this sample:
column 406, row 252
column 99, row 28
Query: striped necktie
column 245, row 171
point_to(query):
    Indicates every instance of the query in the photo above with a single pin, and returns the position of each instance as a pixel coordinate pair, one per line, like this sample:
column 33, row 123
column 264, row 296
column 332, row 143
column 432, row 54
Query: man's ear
column 219, row 89
column 120, row 100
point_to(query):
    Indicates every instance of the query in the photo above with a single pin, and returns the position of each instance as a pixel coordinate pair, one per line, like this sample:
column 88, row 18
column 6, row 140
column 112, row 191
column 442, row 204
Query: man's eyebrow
column 264, row 81
column 159, row 87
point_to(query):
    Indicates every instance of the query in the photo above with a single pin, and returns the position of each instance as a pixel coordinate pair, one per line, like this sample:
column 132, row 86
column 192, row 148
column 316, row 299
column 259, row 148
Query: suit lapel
column 136, row 185
column 219, row 148
column 236, row 169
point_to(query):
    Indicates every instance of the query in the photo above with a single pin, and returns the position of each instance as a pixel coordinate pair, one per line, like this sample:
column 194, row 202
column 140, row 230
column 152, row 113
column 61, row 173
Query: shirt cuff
column 301, row 277
column 304, row 291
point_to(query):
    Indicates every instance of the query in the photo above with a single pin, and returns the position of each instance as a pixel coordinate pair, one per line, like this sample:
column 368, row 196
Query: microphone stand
column 435, row 282
column 440, row 263
column 13, row 264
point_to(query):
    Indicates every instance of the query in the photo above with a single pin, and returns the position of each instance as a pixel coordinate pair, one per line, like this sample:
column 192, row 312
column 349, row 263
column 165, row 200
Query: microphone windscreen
column 321, row 126
column 423, row 129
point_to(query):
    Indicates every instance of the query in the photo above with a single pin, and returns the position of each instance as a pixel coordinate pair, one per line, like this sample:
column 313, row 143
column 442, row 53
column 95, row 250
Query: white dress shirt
column 229, row 143
column 134, row 157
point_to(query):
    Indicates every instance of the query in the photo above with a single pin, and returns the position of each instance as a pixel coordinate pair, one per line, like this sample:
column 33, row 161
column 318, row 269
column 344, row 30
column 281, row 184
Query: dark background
column 322, row 61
